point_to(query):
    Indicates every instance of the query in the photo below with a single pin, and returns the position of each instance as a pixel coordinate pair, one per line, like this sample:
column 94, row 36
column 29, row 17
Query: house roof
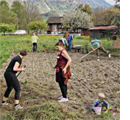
column 53, row 20
column 104, row 28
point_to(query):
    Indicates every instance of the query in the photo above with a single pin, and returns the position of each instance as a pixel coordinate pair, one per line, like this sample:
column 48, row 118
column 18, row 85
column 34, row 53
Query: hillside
column 62, row 6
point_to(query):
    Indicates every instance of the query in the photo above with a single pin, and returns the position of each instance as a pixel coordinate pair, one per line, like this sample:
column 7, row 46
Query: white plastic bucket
column 98, row 110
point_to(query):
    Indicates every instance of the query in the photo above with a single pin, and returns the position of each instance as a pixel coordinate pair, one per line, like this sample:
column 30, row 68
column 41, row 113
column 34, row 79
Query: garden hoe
column 81, row 59
column 21, row 71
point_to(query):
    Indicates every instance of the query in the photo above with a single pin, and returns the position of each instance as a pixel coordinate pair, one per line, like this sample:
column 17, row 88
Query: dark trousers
column 63, row 87
column 102, row 49
column 34, row 47
column 12, row 82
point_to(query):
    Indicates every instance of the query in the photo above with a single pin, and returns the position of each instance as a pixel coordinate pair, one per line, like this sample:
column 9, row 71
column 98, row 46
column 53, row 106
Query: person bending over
column 97, row 44
column 12, row 81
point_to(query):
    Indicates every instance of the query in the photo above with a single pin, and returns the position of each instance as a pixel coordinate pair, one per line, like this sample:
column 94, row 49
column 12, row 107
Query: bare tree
column 31, row 12
column 105, row 16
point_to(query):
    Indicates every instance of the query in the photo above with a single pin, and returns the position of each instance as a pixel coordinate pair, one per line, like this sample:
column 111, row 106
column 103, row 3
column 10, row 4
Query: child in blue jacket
column 100, row 103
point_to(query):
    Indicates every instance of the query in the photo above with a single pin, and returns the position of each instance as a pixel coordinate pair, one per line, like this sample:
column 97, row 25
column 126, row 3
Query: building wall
column 95, row 34
column 85, row 32
column 51, row 28
column 55, row 27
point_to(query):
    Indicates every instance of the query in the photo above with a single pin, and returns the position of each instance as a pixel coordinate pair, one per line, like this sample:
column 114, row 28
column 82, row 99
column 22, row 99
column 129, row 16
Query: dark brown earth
column 88, row 79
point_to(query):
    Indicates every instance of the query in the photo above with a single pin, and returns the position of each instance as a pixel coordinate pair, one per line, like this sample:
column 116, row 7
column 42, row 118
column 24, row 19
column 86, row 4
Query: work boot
column 18, row 107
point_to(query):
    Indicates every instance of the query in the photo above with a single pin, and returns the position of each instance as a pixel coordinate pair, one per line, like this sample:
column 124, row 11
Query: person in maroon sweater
column 62, row 70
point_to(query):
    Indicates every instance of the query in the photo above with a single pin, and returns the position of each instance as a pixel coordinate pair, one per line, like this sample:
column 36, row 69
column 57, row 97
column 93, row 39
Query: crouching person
column 100, row 104
column 62, row 70
column 12, row 80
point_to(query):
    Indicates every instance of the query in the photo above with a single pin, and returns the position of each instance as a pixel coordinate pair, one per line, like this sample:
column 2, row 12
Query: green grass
column 46, row 111
column 45, row 43
column 82, row 40
column 40, row 112
column 17, row 43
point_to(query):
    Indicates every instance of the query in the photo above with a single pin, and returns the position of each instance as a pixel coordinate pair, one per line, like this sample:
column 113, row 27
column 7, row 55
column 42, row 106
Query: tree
column 77, row 19
column 18, row 9
column 85, row 8
column 105, row 16
column 110, row 14
column 4, row 4
column 98, row 16
column 31, row 12
column 116, row 21
column 6, row 28
column 6, row 15
column 37, row 26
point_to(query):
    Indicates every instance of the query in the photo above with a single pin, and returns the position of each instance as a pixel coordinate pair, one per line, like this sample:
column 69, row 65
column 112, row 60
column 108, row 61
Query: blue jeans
column 70, row 47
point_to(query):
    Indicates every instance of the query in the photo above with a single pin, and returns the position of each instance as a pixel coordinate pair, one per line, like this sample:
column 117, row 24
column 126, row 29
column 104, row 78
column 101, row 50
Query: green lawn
column 45, row 42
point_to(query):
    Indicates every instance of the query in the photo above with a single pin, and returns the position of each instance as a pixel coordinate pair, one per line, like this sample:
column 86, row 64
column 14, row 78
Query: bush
column 38, row 25
column 6, row 28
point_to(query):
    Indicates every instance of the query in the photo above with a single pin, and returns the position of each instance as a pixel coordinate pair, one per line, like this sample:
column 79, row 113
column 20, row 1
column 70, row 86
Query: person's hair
column 66, row 34
column 60, row 43
column 23, row 53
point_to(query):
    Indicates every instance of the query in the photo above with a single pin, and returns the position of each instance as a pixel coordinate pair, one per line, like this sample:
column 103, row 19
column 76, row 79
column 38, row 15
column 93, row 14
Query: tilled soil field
column 88, row 79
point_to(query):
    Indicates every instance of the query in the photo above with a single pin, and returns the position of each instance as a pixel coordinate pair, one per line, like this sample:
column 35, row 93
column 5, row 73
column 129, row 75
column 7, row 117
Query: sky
column 111, row 1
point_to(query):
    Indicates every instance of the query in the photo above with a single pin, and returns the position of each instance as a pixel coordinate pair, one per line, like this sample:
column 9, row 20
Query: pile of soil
column 88, row 79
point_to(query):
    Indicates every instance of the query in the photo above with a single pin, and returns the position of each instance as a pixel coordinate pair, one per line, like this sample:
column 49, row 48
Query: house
column 102, row 31
column 54, row 24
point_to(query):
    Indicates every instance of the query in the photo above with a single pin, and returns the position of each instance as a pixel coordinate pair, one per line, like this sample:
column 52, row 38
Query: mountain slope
column 96, row 3
column 62, row 6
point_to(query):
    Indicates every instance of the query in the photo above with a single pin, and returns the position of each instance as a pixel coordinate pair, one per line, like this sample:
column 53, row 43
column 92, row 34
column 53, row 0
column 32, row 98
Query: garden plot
column 88, row 79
